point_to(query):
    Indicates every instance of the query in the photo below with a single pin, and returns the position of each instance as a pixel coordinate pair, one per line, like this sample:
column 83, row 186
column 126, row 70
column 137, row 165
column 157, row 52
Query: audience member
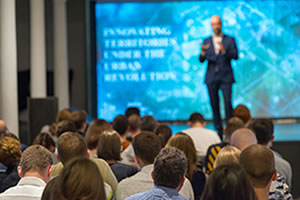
column 242, row 112
column 201, row 136
column 3, row 127
column 10, row 155
column 146, row 147
column 148, row 123
column 258, row 162
column 168, row 174
column 264, row 131
column 185, row 143
column 242, row 138
column 134, row 122
column 65, row 126
column 45, row 140
column 93, row 133
column 80, row 179
column 71, row 145
column 108, row 148
column 79, row 119
column 164, row 133
column 132, row 111
column 34, row 170
column 228, row 182
column 120, row 124
column 232, row 125
column 228, row 155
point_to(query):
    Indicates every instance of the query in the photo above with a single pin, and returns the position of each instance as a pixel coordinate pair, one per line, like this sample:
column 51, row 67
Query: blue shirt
column 158, row 193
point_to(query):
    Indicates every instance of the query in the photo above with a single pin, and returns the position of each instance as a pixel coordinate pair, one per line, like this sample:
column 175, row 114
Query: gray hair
column 169, row 167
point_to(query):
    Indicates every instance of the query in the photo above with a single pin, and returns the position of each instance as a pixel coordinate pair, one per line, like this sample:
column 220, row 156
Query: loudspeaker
column 41, row 111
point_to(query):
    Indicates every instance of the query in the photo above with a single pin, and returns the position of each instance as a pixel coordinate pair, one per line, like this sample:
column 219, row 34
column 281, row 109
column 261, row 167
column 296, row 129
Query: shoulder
column 228, row 38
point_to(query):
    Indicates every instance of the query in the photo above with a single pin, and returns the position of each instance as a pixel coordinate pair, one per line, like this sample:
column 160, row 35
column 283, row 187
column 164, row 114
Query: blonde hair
column 227, row 155
column 185, row 143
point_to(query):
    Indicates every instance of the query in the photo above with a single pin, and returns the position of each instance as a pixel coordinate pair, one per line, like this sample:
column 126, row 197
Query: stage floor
column 282, row 131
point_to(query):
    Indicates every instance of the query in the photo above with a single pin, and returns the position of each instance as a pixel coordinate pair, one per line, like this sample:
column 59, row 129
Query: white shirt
column 28, row 188
column 202, row 138
column 216, row 41
column 142, row 181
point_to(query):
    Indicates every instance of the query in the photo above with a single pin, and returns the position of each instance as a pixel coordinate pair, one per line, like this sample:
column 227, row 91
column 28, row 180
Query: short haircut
column 233, row 124
column 242, row 138
column 263, row 129
column 242, row 112
column 35, row 158
column 71, row 145
column 146, row 146
column 148, row 123
column 132, row 111
column 94, row 131
column 258, row 162
column 63, row 114
column 164, row 133
column 228, row 155
column 228, row 182
column 45, row 140
column 79, row 118
column 169, row 167
column 120, row 124
column 10, row 151
column 196, row 117
column 134, row 122
column 109, row 146
column 65, row 126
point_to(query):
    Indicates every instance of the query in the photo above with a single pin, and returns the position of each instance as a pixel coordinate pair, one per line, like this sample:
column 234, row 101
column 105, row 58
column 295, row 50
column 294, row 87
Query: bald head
column 216, row 24
column 3, row 127
column 242, row 138
column 258, row 162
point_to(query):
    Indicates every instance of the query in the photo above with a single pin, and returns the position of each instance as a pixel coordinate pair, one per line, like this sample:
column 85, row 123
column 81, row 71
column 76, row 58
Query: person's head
column 232, row 125
column 263, row 129
column 134, row 121
column 36, row 159
column 169, row 168
column 45, row 140
column 185, row 143
column 109, row 146
column 132, row 111
column 80, row 179
column 227, row 155
column 3, row 127
column 65, row 126
column 10, row 151
column 63, row 114
column 228, row 182
column 79, row 119
column 196, row 119
column 120, row 124
column 258, row 162
column 164, row 133
column 146, row 146
column 148, row 123
column 216, row 24
column 242, row 112
column 70, row 145
column 242, row 138
column 94, row 131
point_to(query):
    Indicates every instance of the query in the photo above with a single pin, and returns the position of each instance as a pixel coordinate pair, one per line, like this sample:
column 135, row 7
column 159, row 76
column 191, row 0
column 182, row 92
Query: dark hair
column 242, row 112
column 148, row 123
column 109, row 146
column 50, row 191
column 169, row 167
column 196, row 117
column 263, row 129
column 79, row 118
column 233, row 124
column 70, row 145
column 94, row 131
column 134, row 122
column 131, row 111
column 65, row 126
column 228, row 182
column 63, row 114
column 164, row 133
column 45, row 140
column 146, row 145
column 120, row 124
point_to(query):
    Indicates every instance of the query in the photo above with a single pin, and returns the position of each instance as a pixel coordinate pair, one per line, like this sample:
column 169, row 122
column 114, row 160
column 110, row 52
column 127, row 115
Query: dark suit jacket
column 219, row 66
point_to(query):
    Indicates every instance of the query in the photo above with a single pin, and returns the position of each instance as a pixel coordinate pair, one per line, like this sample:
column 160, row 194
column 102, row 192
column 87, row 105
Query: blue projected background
column 147, row 56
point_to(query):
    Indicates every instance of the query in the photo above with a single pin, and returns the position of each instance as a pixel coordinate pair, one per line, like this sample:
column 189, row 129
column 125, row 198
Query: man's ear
column 49, row 170
column 87, row 154
column 180, row 184
column 20, row 171
column 274, row 176
column 204, row 124
column 58, row 157
column 152, row 174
